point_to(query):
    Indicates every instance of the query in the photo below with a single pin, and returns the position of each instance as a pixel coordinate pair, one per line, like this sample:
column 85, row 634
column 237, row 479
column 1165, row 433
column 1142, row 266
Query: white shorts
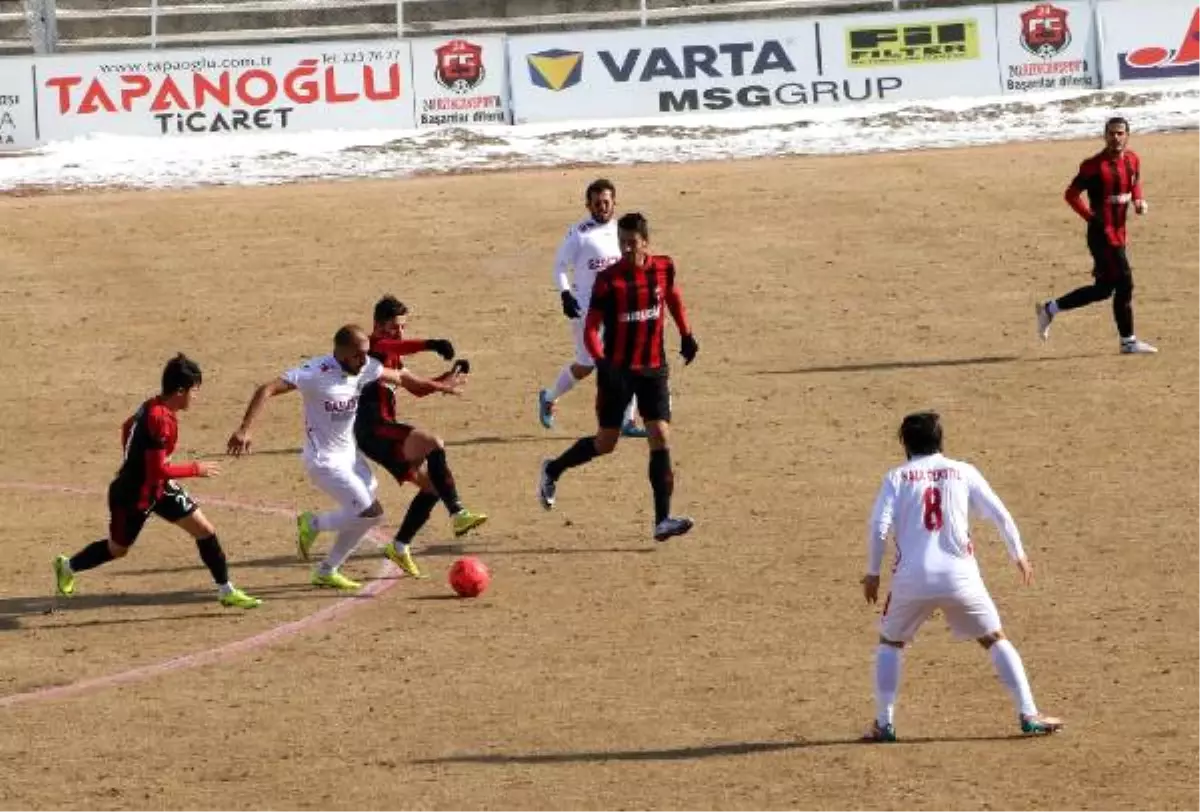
column 351, row 484
column 582, row 356
column 970, row 613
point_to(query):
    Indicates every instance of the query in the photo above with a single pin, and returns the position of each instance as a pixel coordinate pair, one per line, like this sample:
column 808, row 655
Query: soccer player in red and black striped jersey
column 627, row 302
column 408, row 453
column 1111, row 180
column 145, row 484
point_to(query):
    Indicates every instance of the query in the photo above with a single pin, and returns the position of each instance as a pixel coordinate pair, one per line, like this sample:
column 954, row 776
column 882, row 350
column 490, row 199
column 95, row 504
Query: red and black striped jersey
column 628, row 302
column 1112, row 181
column 149, row 438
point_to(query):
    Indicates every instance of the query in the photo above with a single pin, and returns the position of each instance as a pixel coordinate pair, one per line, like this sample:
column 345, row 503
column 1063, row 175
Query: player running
column 1112, row 178
column 631, row 361
column 925, row 503
column 589, row 247
column 145, row 484
column 331, row 387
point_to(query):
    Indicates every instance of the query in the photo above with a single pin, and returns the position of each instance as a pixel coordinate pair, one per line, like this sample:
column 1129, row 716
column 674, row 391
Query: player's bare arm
column 239, row 441
column 870, row 585
column 422, row 386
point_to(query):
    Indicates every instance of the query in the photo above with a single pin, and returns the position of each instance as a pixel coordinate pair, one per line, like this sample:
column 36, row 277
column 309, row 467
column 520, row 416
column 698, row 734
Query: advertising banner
column 924, row 54
column 673, row 70
column 460, row 80
column 18, row 127
column 177, row 93
column 1150, row 41
column 1047, row 46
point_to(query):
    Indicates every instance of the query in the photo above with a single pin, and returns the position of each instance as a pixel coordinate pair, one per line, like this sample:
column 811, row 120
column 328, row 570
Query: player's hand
column 1141, row 206
column 688, row 348
column 1026, row 570
column 453, row 383
column 239, row 443
column 207, row 469
column 570, row 305
column 442, row 347
column 870, row 585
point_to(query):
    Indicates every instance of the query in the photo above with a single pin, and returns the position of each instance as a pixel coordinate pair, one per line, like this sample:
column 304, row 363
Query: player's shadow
column 884, row 366
column 687, row 753
column 283, row 560
column 487, row 439
column 14, row 609
column 483, row 548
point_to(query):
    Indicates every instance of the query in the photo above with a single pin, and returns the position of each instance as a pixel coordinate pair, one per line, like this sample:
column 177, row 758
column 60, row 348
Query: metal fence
column 209, row 22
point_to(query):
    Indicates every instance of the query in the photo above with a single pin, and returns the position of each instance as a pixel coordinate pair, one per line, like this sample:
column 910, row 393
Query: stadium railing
column 89, row 23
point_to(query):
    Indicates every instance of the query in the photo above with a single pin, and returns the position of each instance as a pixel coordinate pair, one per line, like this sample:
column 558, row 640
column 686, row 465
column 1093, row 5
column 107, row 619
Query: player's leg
column 568, row 376
column 613, row 391
column 177, row 507
column 419, row 510
column 309, row 524
column 1123, row 308
column 972, row 614
column 353, row 486
column 125, row 522
column 903, row 615
column 423, row 446
column 1104, row 273
column 654, row 403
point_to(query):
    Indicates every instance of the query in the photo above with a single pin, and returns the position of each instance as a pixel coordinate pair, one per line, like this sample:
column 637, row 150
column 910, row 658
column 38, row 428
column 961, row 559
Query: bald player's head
column 350, row 347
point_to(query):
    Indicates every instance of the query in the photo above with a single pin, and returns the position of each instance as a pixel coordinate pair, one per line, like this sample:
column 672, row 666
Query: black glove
column 462, row 365
column 570, row 305
column 441, row 346
column 688, row 348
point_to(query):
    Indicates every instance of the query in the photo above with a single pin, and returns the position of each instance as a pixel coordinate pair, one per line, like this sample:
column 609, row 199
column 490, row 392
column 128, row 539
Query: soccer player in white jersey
column 330, row 386
column 925, row 503
column 589, row 247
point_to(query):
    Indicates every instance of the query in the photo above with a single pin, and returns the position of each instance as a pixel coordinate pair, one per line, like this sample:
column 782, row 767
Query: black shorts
column 126, row 519
column 1111, row 262
column 383, row 444
column 615, row 388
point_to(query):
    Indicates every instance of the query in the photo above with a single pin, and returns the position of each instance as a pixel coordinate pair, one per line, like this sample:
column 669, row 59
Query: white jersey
column 588, row 248
column 330, row 406
column 926, row 502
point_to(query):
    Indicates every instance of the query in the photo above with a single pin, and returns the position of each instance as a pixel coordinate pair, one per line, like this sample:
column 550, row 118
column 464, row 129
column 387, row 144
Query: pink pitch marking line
column 212, row 655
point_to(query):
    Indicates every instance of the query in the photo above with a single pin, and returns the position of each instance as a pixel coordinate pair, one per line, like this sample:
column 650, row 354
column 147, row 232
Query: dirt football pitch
column 729, row 669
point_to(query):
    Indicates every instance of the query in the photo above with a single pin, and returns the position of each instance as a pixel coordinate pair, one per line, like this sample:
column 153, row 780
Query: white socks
column 631, row 411
column 334, row 520
column 1052, row 307
column 1011, row 671
column 564, row 384
column 887, row 683
column 348, row 539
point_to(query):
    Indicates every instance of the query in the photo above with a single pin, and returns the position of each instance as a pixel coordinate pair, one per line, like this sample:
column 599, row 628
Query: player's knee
column 989, row 640
column 198, row 525
column 579, row 371
column 1105, row 289
column 884, row 641
column 659, row 434
column 606, row 441
column 117, row 550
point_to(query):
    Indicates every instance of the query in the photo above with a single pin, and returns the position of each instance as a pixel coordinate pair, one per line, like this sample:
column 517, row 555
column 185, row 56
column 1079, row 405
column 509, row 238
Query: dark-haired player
column 145, row 484
column 628, row 302
column 1111, row 179
column 590, row 246
column 408, row 453
column 925, row 503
